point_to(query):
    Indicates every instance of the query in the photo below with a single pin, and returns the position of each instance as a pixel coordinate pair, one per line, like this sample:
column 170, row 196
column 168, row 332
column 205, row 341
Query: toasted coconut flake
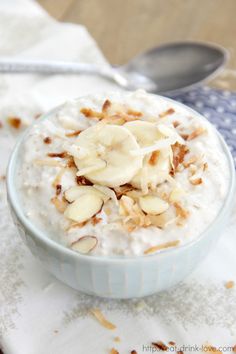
column 74, row 133
column 171, row 342
column 176, row 124
column 180, row 211
column 101, row 319
column 160, row 345
column 83, row 181
column 180, row 352
column 154, row 158
column 117, row 339
column 167, row 113
column 95, row 220
column 2, row 178
column 49, row 163
column 71, row 163
column 196, row 181
column 191, row 161
column 14, row 122
column 205, row 166
column 60, row 204
column 47, row 140
column 184, row 136
column 131, row 112
column 229, row 284
column 58, row 189
column 192, row 170
column 133, row 352
column 106, row 105
column 116, row 119
column 84, row 244
column 162, row 246
column 114, row 351
column 89, row 113
column 196, row 133
column 61, row 155
column 179, row 151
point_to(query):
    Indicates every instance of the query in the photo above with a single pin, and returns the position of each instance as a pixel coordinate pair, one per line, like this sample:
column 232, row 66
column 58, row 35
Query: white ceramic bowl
column 117, row 277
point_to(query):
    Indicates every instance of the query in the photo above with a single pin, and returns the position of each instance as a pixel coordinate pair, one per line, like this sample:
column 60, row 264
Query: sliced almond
column 84, row 244
column 83, row 208
column 60, row 204
column 162, row 246
column 125, row 205
column 75, row 192
column 153, row 205
column 107, row 192
column 101, row 319
column 158, row 220
column 134, row 194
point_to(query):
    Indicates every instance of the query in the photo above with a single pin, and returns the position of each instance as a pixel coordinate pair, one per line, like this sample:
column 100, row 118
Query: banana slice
column 84, row 207
column 156, row 165
column 109, row 161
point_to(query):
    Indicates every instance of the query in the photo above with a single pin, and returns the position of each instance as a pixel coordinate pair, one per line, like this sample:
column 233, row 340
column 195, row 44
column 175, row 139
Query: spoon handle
column 9, row 65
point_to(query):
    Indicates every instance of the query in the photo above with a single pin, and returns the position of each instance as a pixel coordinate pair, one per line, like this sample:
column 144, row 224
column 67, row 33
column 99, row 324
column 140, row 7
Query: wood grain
column 124, row 28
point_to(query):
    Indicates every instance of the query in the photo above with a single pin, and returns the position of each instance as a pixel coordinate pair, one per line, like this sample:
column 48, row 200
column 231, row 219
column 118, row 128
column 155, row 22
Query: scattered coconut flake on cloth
column 38, row 314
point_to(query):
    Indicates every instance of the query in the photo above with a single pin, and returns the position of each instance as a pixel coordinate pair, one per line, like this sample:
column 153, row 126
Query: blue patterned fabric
column 219, row 107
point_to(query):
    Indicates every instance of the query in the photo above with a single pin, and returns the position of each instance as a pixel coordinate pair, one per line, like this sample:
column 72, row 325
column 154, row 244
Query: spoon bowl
column 178, row 66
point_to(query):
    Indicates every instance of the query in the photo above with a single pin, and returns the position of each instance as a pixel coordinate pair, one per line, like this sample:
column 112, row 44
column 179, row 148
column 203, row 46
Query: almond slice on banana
column 84, row 207
column 148, row 135
column 153, row 205
column 84, row 244
column 109, row 161
column 75, row 192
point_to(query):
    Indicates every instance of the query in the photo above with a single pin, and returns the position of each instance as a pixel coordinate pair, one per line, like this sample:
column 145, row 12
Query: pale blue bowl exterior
column 117, row 277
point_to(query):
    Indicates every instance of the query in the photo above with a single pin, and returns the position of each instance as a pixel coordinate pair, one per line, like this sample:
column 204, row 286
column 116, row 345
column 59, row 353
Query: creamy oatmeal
column 122, row 174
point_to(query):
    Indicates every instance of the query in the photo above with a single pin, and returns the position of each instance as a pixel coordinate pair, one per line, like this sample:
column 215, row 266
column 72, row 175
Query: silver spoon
column 168, row 68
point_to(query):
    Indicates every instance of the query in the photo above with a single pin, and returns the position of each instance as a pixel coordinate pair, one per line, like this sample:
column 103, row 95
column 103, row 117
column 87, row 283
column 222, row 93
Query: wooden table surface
column 124, row 28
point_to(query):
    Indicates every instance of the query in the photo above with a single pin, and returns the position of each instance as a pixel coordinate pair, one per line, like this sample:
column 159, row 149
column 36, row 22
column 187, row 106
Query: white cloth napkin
column 38, row 314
